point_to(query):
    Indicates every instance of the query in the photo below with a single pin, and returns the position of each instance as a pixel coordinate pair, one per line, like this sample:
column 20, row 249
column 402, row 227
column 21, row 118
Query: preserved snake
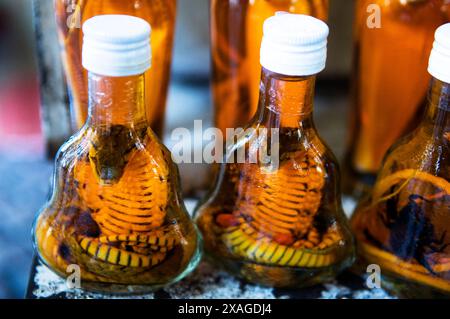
column 277, row 223
column 274, row 222
column 129, row 213
column 115, row 223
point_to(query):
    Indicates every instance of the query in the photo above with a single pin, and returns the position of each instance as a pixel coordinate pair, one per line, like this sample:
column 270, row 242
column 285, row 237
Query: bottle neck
column 116, row 100
column 285, row 101
column 438, row 112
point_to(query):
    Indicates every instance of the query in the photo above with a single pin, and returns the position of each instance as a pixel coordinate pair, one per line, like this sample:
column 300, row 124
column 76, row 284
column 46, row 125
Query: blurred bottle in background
column 236, row 33
column 390, row 79
column 71, row 15
column 20, row 130
column 22, row 169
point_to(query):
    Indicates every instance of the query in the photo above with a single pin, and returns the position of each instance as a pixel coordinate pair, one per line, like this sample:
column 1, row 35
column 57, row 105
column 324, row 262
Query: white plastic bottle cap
column 439, row 66
column 294, row 44
column 116, row 45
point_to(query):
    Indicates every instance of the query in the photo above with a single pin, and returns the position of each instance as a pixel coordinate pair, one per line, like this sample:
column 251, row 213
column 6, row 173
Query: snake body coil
column 275, row 220
column 109, row 213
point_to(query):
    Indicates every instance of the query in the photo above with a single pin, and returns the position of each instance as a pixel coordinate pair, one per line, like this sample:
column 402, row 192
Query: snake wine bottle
column 404, row 224
column 277, row 219
column 116, row 210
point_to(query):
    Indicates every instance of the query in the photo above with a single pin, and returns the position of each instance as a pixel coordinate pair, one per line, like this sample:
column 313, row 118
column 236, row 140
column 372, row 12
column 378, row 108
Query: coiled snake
column 131, row 212
column 275, row 218
column 116, row 210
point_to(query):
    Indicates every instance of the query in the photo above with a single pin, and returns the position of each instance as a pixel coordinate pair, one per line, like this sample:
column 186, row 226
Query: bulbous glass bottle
column 116, row 209
column 389, row 79
column 274, row 217
column 404, row 224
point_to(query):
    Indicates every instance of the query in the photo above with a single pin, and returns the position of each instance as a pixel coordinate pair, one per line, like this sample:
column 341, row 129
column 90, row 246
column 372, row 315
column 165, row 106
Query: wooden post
column 54, row 100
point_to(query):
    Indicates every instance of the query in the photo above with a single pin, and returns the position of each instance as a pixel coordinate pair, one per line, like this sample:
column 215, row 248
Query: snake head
column 110, row 152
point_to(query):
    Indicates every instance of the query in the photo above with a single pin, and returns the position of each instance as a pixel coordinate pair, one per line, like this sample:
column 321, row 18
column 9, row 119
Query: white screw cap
column 294, row 44
column 116, row 45
column 439, row 66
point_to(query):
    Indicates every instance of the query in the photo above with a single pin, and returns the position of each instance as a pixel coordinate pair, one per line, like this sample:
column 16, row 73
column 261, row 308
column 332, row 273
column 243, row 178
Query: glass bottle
column 390, row 80
column 71, row 14
column 116, row 209
column 404, row 225
column 236, row 33
column 277, row 219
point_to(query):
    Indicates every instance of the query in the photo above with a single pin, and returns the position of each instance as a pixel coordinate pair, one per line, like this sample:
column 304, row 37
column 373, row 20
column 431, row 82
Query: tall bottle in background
column 71, row 14
column 236, row 33
column 390, row 79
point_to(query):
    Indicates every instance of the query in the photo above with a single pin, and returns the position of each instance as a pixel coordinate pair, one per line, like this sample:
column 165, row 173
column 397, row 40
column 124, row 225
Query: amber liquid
column 278, row 225
column 236, row 34
column 390, row 81
column 116, row 209
column 161, row 16
column 404, row 225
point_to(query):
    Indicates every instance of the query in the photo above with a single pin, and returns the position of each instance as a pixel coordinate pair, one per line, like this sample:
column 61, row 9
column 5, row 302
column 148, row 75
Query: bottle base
column 120, row 289
column 279, row 277
column 397, row 286
column 405, row 289
column 123, row 289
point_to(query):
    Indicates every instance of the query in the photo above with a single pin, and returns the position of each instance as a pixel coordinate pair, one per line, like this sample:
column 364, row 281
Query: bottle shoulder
column 258, row 144
column 421, row 150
